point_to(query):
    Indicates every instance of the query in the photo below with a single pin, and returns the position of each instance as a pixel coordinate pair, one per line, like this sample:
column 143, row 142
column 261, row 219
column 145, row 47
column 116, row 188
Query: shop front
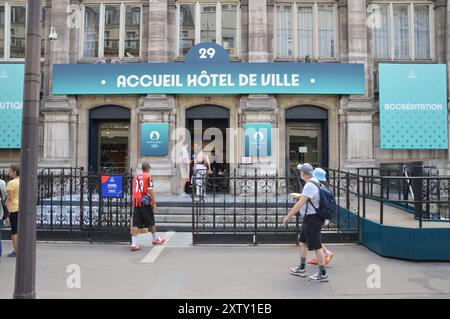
column 266, row 116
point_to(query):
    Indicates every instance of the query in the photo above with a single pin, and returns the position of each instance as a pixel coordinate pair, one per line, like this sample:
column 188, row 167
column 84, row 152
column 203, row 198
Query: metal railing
column 245, row 205
column 250, row 205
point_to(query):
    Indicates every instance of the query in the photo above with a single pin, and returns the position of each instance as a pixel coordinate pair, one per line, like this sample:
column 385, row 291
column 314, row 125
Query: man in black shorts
column 143, row 213
column 310, row 236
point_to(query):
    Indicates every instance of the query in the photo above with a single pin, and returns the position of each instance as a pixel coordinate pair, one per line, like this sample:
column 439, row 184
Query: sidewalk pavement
column 180, row 270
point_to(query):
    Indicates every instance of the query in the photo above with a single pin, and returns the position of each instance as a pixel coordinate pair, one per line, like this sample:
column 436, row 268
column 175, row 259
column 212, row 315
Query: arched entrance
column 201, row 118
column 108, row 139
column 306, row 136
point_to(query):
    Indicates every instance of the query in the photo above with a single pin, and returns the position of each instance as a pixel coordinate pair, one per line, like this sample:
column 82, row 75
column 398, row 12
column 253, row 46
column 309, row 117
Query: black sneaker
column 296, row 271
column 318, row 278
column 12, row 254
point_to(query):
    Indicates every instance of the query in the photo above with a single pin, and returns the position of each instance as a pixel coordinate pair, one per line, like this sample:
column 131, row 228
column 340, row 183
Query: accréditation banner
column 208, row 70
column 413, row 106
column 11, row 104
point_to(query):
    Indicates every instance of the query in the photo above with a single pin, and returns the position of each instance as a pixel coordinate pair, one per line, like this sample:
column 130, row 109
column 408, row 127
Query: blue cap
column 320, row 174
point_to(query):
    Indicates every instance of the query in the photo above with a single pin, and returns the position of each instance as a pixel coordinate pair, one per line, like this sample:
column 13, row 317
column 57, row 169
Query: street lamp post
column 26, row 242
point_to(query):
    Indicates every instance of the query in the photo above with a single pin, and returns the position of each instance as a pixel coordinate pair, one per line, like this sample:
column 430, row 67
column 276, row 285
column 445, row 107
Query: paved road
column 182, row 271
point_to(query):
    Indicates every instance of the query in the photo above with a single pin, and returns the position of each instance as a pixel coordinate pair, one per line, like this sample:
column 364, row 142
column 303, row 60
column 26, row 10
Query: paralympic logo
column 154, row 136
column 258, row 136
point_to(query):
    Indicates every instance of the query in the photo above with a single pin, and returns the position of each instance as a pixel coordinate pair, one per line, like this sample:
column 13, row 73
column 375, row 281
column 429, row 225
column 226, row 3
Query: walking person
column 12, row 203
column 3, row 212
column 185, row 161
column 144, row 206
column 320, row 175
column 310, row 236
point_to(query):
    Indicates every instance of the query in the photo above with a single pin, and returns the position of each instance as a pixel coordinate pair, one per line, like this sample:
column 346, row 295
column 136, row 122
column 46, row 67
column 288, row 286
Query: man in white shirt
column 310, row 236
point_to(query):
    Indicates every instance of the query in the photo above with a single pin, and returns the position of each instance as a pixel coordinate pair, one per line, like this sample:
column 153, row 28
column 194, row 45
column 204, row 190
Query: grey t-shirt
column 312, row 192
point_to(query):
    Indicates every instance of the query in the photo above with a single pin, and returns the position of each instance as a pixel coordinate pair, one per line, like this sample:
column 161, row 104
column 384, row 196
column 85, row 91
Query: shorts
column 184, row 168
column 143, row 217
column 14, row 222
column 310, row 233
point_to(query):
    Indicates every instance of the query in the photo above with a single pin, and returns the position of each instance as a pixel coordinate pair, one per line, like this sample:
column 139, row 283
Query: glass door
column 304, row 144
column 113, row 146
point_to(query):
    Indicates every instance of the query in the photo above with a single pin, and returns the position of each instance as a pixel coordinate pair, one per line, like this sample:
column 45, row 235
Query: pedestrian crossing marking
column 154, row 253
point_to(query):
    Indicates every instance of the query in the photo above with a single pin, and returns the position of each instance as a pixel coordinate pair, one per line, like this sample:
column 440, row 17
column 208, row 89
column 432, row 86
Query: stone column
column 257, row 31
column 57, row 110
column 259, row 108
column 158, row 108
column 157, row 31
column 343, row 29
column 440, row 21
column 358, row 113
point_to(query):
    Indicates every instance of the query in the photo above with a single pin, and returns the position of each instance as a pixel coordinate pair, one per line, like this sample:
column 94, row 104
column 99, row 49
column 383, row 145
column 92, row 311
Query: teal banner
column 154, row 139
column 258, row 139
column 413, row 106
column 207, row 70
column 11, row 104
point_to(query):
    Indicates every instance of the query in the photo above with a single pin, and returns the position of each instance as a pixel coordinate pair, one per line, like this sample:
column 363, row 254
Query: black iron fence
column 244, row 206
column 249, row 207
column 70, row 205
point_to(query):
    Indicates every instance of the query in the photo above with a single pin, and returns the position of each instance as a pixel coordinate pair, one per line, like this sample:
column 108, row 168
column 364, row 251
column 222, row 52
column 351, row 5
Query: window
column 18, row 32
column 304, row 29
column 12, row 31
column 284, row 31
column 208, row 22
column 91, row 30
column 112, row 30
column 187, row 28
column 403, row 32
column 230, row 28
column 132, row 31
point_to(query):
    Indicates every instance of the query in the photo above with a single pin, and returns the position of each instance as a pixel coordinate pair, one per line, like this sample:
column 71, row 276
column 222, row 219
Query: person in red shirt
column 143, row 214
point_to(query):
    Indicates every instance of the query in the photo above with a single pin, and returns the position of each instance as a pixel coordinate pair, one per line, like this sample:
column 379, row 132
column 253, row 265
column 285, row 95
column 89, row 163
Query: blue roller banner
column 413, row 106
column 11, row 105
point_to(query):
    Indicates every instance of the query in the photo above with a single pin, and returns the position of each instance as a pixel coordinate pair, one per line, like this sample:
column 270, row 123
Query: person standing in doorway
column 185, row 161
column 3, row 214
column 202, row 167
column 310, row 236
column 12, row 203
column 144, row 206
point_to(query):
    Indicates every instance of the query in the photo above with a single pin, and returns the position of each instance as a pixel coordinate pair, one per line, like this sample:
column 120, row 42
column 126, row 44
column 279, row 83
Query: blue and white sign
column 11, row 105
column 207, row 70
column 413, row 106
column 258, row 139
column 154, row 139
column 112, row 186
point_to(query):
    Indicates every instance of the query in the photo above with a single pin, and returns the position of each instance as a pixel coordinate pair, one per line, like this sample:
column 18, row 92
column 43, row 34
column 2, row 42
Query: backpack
column 327, row 202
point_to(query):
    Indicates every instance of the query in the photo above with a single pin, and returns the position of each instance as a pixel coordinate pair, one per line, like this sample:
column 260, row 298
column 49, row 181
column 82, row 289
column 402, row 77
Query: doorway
column 207, row 117
column 109, row 128
column 304, row 147
column 306, row 136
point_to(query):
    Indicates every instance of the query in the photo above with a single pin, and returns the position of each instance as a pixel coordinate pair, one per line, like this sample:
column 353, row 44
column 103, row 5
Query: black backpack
column 327, row 202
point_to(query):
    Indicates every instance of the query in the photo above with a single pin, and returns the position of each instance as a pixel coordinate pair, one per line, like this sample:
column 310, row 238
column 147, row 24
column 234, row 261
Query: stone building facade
column 342, row 131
